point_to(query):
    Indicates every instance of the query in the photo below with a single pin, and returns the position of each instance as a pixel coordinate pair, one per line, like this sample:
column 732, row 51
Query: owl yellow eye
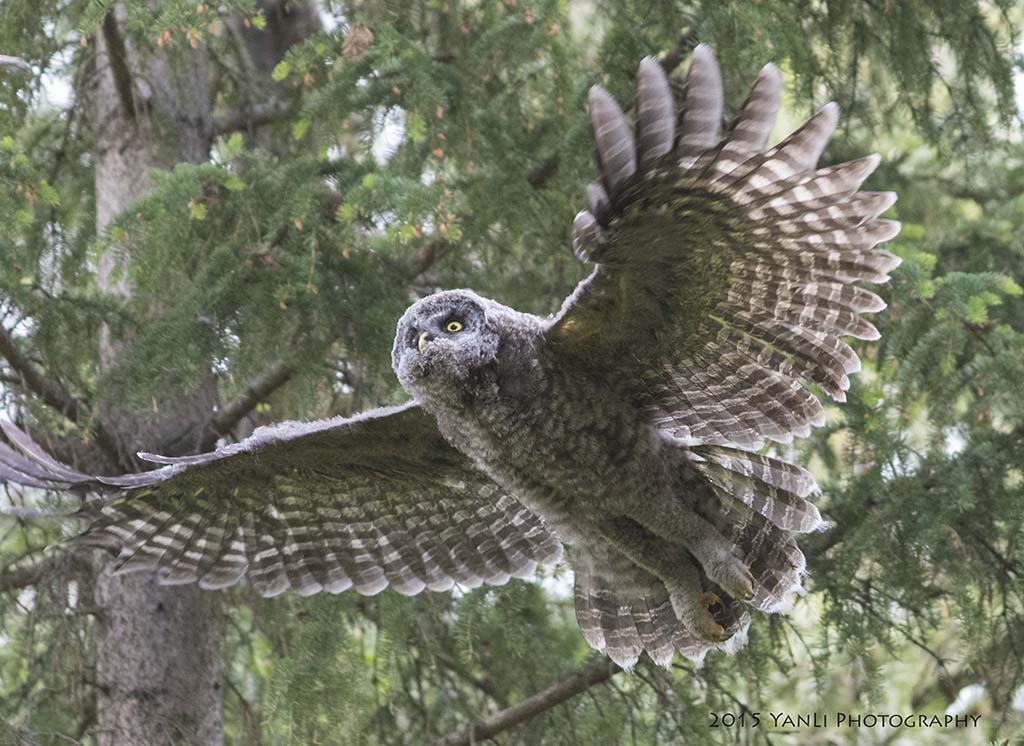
column 453, row 326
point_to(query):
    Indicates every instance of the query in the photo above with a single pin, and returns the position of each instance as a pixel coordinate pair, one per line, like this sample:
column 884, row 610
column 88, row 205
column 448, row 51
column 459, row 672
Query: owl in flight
column 627, row 425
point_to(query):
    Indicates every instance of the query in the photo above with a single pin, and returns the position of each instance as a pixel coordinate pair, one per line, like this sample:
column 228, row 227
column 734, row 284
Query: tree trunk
column 288, row 23
column 158, row 648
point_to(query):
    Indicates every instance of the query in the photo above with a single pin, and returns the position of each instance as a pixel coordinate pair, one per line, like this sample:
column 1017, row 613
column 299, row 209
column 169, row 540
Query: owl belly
column 571, row 452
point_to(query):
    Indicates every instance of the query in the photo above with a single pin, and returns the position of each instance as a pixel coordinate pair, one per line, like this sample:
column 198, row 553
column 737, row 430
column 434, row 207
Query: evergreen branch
column 483, row 684
column 547, row 168
column 1009, row 567
column 428, row 255
column 544, row 700
column 249, row 717
column 14, row 65
column 53, row 394
column 278, row 374
column 249, row 116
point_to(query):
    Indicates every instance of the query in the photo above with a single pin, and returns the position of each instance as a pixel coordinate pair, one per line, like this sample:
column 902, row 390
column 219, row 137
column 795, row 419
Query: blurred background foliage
column 423, row 144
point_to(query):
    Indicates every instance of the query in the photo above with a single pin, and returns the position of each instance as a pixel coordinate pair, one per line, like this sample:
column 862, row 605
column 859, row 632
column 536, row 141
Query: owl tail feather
column 626, row 619
column 759, row 506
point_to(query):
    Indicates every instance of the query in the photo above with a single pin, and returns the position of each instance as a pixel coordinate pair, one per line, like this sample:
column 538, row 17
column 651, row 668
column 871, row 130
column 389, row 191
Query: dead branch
column 278, row 374
column 544, row 700
column 428, row 255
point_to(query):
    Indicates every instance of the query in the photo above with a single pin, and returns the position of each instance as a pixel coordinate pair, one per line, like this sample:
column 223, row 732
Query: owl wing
column 370, row 501
column 725, row 270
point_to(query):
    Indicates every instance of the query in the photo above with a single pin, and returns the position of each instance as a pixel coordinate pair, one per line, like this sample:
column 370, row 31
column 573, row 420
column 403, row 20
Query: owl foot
column 732, row 576
column 709, row 601
column 698, row 614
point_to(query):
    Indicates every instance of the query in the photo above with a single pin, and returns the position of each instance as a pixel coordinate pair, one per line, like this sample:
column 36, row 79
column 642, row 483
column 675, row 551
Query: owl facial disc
column 442, row 340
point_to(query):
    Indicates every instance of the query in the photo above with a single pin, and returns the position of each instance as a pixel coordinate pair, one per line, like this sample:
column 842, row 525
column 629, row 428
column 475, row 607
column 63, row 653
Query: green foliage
column 453, row 151
column 251, row 255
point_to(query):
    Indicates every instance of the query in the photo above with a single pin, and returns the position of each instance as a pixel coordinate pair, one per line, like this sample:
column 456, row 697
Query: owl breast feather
column 569, row 448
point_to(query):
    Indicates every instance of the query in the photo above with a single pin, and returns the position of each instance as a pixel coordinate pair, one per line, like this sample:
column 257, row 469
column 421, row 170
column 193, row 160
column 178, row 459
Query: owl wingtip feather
column 596, row 92
column 771, row 71
column 651, row 63
column 703, row 51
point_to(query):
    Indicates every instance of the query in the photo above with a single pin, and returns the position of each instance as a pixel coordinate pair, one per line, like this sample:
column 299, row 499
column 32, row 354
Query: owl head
column 444, row 341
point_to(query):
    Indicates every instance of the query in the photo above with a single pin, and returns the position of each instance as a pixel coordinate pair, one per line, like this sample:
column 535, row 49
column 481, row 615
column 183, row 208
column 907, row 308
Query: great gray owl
column 626, row 425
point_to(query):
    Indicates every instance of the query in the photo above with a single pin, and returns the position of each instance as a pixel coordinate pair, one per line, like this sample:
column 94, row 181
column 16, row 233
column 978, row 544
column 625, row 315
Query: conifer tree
column 220, row 225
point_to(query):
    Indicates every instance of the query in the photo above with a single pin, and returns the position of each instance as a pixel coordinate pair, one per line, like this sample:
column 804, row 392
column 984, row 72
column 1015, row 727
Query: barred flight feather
column 724, row 284
column 785, row 509
column 655, row 125
column 327, row 511
column 724, row 289
column 772, row 471
column 750, row 130
column 771, row 554
column 701, row 113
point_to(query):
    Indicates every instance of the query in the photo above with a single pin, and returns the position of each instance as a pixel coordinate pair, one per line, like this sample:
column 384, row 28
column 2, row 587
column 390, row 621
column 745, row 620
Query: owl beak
column 421, row 343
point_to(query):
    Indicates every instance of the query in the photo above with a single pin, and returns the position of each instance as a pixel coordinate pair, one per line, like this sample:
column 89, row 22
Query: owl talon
column 707, row 600
column 698, row 614
column 734, row 578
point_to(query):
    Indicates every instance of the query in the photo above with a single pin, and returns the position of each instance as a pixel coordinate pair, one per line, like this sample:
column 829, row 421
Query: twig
column 278, row 374
column 249, row 718
column 544, row 700
column 53, row 394
column 428, row 255
column 483, row 684
column 1009, row 567
column 13, row 579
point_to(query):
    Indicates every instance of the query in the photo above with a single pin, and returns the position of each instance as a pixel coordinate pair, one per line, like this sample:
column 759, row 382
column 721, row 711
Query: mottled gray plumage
column 624, row 425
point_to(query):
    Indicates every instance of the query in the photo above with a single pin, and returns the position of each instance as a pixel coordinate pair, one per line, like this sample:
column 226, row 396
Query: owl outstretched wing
column 366, row 502
column 725, row 270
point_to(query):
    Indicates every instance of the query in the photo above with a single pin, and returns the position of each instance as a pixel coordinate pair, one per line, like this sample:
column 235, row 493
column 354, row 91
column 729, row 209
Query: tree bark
column 159, row 670
column 158, row 663
column 288, row 23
